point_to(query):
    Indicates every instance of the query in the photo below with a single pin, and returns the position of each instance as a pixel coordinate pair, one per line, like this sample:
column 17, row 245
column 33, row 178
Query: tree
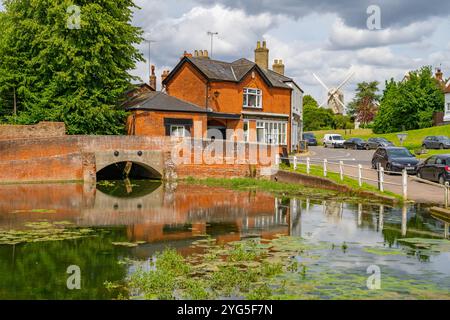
column 67, row 74
column 315, row 118
column 365, row 103
column 409, row 104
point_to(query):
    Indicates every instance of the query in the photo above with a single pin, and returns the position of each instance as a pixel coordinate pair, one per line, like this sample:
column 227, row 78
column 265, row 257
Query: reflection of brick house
column 265, row 104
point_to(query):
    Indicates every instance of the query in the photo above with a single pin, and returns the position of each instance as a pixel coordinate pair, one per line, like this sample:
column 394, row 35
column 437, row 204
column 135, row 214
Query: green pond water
column 328, row 248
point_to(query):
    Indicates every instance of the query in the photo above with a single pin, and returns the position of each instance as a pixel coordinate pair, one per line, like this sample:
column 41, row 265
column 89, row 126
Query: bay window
column 271, row 132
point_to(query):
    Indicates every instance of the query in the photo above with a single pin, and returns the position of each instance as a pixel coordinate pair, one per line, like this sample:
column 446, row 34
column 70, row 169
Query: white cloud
column 238, row 33
column 343, row 37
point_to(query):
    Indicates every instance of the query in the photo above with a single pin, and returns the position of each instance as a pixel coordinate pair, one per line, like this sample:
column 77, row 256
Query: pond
column 46, row 228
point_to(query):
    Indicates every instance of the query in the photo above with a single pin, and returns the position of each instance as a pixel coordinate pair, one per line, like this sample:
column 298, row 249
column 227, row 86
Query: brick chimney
column 262, row 55
column 201, row 54
column 186, row 54
column 153, row 78
column 439, row 75
column 278, row 67
column 164, row 75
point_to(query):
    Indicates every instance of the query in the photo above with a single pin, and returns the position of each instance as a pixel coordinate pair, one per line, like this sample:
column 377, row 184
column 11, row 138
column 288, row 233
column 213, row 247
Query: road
column 417, row 191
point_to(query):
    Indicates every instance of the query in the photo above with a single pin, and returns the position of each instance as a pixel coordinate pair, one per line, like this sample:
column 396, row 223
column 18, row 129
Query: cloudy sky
column 326, row 37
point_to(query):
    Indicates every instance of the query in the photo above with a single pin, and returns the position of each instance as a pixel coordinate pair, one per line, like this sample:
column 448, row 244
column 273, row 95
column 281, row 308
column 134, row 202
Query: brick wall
column 188, row 85
column 73, row 158
column 40, row 130
column 151, row 123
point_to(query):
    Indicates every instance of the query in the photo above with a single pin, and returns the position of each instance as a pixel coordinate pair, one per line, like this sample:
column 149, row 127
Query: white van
column 333, row 141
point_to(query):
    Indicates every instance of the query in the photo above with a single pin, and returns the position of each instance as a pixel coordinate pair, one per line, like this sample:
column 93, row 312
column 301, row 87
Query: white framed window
column 448, row 107
column 252, row 98
column 271, row 132
column 177, row 131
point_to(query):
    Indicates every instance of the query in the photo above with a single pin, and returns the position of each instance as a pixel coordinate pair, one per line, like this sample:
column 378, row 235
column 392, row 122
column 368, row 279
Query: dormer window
column 252, row 98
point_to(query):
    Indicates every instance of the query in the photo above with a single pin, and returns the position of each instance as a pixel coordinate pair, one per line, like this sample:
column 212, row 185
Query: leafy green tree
column 316, row 118
column 409, row 104
column 76, row 75
column 365, row 103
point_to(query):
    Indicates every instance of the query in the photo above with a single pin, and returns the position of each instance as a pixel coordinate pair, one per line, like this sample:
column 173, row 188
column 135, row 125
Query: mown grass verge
column 317, row 171
column 413, row 141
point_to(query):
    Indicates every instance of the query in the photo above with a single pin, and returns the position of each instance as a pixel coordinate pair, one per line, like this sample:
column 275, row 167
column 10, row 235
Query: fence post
column 360, row 175
column 405, row 184
column 325, row 170
column 277, row 159
column 341, row 169
column 308, row 165
column 447, row 196
column 295, row 163
column 381, row 179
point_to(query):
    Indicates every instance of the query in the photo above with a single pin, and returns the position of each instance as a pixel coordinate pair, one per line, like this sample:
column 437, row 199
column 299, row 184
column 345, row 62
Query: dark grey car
column 375, row 143
column 436, row 142
column 395, row 159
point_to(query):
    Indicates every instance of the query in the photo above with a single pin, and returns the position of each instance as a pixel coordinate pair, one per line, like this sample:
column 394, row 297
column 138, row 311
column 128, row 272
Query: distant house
column 443, row 117
column 447, row 104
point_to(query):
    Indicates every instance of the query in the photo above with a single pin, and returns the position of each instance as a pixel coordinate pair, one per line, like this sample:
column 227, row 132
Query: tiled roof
column 225, row 71
column 162, row 102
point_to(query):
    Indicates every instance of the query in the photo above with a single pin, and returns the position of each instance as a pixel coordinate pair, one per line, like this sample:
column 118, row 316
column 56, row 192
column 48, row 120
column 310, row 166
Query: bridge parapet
column 81, row 157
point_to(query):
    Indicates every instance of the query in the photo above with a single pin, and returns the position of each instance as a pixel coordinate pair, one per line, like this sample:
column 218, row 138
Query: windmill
column 335, row 99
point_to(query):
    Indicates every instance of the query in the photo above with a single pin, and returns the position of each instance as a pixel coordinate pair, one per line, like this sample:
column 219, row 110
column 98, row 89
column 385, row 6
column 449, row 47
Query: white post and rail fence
column 361, row 177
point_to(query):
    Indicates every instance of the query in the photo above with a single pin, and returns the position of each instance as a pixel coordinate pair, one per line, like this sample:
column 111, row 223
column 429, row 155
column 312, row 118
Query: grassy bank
column 293, row 189
column 317, row 171
column 249, row 184
column 414, row 140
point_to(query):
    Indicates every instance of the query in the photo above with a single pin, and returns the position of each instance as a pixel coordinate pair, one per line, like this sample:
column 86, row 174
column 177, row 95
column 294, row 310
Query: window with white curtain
column 271, row 132
column 252, row 98
column 178, row 131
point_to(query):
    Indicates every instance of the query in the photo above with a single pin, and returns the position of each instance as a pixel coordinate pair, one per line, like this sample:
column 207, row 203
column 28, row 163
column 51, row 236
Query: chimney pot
column 262, row 55
column 278, row 67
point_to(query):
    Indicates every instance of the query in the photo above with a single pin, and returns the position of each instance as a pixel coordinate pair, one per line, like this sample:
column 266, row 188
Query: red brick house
column 265, row 104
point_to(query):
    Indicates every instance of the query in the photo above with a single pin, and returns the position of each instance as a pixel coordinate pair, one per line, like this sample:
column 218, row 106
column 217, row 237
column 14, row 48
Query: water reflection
column 177, row 215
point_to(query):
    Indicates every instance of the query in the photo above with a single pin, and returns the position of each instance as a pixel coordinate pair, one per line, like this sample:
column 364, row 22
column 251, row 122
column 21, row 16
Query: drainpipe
column 206, row 95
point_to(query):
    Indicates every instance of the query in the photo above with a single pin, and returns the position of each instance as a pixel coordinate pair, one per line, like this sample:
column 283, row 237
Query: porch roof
column 221, row 115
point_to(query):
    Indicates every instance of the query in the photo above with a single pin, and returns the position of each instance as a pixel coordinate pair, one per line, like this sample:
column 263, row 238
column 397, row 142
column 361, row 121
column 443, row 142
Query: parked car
column 333, row 140
column 375, row 143
column 395, row 159
column 436, row 169
column 436, row 142
column 356, row 143
column 310, row 138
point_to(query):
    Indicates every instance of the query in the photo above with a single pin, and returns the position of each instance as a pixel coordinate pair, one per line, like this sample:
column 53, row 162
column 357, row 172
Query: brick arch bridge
column 80, row 158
